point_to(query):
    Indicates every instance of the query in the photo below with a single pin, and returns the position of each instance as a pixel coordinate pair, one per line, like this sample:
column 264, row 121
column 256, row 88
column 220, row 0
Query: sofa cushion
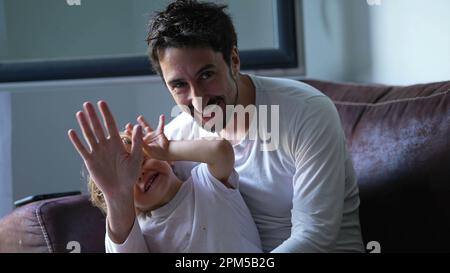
column 64, row 224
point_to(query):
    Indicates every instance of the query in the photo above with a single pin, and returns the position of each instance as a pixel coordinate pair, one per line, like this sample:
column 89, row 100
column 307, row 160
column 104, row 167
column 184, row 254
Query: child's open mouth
column 149, row 182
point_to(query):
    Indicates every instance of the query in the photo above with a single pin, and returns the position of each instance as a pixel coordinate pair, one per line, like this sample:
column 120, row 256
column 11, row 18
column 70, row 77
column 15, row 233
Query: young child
column 205, row 213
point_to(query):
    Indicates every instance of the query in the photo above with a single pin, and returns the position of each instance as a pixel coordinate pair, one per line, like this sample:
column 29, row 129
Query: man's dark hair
column 189, row 23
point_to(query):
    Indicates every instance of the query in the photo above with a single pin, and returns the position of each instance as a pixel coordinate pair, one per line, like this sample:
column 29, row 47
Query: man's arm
column 319, row 181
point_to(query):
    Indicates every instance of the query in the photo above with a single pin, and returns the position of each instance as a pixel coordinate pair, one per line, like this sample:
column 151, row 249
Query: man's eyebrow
column 174, row 82
column 206, row 67
column 201, row 70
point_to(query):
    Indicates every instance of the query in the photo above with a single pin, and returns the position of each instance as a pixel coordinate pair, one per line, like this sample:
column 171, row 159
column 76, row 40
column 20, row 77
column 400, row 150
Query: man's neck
column 246, row 97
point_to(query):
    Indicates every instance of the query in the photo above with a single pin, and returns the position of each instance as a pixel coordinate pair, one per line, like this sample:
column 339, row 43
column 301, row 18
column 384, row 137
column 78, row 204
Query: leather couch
column 399, row 138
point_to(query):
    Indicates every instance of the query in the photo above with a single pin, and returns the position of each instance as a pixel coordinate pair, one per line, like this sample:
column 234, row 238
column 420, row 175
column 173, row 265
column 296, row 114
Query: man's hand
column 113, row 169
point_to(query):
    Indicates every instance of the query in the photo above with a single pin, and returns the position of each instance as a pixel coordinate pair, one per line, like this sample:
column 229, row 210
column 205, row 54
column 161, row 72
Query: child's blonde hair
column 97, row 198
column 96, row 195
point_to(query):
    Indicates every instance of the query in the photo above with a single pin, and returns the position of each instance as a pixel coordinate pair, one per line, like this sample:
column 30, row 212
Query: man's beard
column 226, row 113
column 211, row 124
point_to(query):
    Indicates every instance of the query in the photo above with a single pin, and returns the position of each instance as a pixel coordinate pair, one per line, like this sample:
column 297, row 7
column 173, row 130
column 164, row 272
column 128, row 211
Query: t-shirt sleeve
column 135, row 242
column 318, row 147
column 201, row 175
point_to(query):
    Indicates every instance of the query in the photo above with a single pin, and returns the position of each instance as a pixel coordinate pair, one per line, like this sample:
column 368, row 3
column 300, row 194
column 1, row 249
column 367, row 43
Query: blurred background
column 397, row 42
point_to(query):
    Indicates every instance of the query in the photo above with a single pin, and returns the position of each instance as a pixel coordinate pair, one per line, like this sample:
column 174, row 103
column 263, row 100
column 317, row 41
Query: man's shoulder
column 284, row 89
column 295, row 99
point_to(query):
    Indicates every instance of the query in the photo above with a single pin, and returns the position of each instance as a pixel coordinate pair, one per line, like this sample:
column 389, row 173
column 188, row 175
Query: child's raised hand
column 114, row 169
column 156, row 143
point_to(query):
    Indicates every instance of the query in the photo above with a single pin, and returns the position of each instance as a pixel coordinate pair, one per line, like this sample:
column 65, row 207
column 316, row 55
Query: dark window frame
column 283, row 57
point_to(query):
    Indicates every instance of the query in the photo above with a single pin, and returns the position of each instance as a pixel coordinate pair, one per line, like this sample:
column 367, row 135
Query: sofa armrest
column 54, row 225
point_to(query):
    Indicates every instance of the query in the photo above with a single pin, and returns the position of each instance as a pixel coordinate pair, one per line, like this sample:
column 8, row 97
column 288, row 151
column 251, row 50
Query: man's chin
column 213, row 125
column 210, row 124
column 204, row 123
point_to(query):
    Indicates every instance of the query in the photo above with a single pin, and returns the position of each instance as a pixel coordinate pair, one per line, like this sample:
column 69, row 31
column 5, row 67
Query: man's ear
column 235, row 62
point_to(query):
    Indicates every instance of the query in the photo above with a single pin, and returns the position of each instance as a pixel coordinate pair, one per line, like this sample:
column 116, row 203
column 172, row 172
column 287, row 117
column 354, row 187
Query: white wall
column 396, row 42
column 337, row 41
column 323, row 39
column 410, row 41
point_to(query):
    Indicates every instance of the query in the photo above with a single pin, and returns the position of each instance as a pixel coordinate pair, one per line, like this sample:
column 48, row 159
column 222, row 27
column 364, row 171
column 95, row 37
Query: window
column 50, row 39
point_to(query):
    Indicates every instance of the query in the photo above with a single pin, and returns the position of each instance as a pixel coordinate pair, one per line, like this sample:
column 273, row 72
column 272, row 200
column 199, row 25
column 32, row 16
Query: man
column 301, row 191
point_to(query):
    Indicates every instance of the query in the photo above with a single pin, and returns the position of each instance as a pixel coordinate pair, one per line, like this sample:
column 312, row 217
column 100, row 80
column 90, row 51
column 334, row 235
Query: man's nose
column 197, row 98
column 197, row 102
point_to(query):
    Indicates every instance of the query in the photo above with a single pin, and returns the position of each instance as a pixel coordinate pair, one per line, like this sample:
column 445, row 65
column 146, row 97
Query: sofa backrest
column 399, row 138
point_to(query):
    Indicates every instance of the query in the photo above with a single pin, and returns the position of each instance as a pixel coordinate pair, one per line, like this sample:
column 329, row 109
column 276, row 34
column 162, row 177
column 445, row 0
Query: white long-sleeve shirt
column 302, row 191
column 203, row 216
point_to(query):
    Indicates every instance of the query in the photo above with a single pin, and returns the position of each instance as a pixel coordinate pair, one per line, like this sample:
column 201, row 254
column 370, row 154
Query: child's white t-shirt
column 203, row 216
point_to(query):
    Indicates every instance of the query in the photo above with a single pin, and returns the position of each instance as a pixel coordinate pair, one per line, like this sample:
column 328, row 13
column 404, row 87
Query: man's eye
column 177, row 86
column 206, row 75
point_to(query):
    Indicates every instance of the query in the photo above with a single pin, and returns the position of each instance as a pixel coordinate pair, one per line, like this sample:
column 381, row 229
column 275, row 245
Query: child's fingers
column 141, row 120
column 129, row 129
column 108, row 120
column 147, row 151
column 77, row 144
column 89, row 110
column 136, row 144
column 162, row 121
column 86, row 129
